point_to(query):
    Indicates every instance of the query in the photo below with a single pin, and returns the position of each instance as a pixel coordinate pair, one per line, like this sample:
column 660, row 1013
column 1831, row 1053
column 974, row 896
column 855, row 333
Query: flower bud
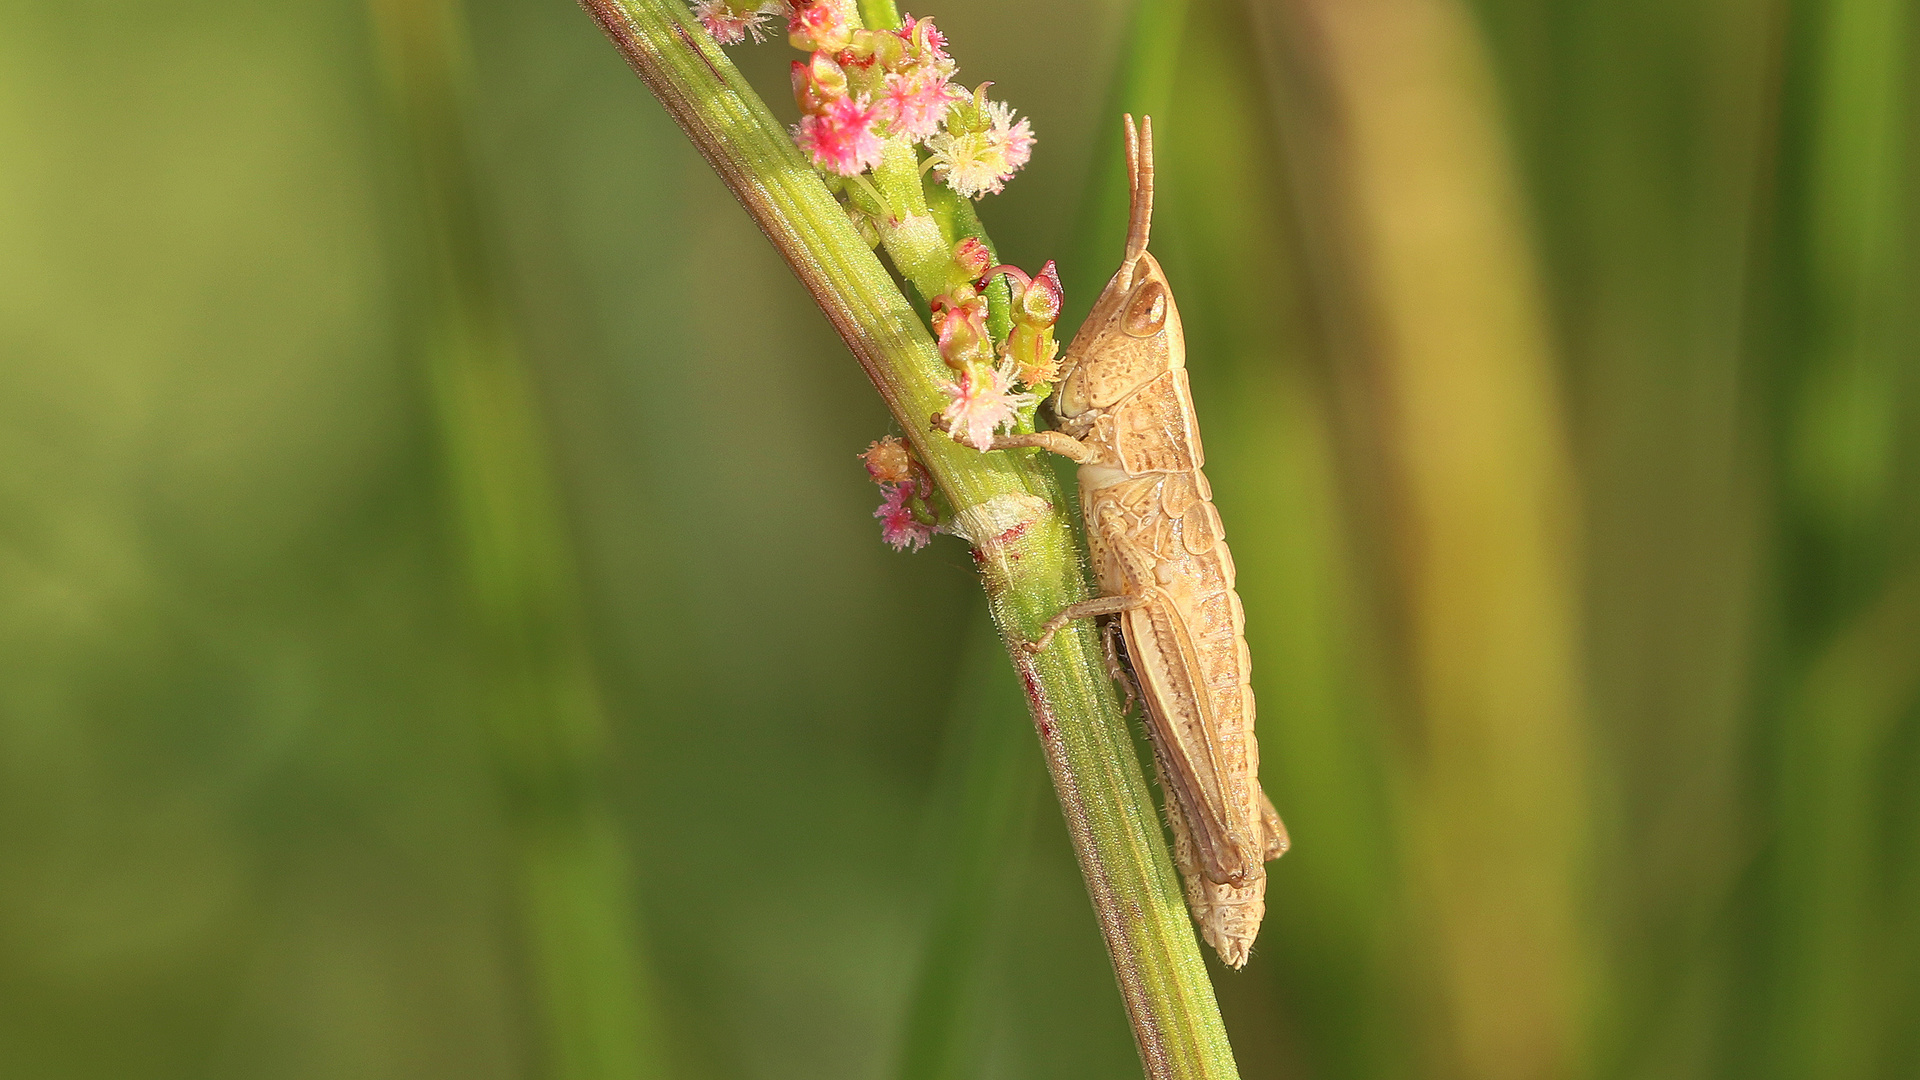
column 1040, row 301
column 973, row 258
column 817, row 81
column 821, row 24
column 960, row 326
column 880, row 47
column 888, row 461
column 1033, row 353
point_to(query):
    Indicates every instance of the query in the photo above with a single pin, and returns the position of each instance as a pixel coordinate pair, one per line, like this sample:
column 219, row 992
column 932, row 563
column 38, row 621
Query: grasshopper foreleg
column 1085, row 609
column 1058, row 442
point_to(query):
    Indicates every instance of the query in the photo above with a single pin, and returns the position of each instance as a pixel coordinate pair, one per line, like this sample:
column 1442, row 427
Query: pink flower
column 907, row 514
column 821, row 24
column 730, row 25
column 926, row 44
column 898, row 525
column 915, row 104
column 841, row 138
column 981, row 402
column 1016, row 140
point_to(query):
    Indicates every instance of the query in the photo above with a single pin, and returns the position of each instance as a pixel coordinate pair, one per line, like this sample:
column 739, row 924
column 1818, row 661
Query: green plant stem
column 1007, row 505
column 880, row 14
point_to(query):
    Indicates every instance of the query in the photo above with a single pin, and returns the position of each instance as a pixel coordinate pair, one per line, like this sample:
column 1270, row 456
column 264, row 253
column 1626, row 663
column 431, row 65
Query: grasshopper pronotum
column 1126, row 416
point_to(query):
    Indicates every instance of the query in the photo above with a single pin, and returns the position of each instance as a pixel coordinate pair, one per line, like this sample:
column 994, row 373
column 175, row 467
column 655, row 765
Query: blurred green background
column 442, row 632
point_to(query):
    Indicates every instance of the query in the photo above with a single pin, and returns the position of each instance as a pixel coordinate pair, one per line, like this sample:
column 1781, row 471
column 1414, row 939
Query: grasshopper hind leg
column 1273, row 831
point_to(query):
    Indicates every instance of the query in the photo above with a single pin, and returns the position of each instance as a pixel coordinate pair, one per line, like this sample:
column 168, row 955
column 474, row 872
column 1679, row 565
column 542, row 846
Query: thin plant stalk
column 1009, row 506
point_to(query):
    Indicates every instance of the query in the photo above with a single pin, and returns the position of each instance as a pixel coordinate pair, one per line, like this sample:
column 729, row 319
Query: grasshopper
column 1159, row 554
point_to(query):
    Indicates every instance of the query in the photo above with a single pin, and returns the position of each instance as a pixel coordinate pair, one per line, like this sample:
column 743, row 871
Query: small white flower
column 980, row 161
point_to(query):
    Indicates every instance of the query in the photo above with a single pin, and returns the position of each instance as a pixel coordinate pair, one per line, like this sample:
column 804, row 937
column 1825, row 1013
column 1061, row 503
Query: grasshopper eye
column 1147, row 311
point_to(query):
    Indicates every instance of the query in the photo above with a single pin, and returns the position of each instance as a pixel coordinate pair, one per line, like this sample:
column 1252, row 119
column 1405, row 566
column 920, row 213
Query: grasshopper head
column 1133, row 332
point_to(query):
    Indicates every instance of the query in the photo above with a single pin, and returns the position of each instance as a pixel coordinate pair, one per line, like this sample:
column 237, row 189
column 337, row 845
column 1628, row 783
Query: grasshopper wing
column 1210, row 789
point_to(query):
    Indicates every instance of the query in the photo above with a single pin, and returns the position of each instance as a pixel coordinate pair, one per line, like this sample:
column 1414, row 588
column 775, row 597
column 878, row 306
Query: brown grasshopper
column 1161, row 559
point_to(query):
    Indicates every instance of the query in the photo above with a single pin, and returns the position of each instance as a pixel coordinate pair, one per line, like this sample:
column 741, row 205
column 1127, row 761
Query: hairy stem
column 1007, row 505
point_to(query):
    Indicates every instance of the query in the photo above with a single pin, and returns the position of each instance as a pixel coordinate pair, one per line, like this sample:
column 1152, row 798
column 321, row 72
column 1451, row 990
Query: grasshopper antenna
column 1139, row 185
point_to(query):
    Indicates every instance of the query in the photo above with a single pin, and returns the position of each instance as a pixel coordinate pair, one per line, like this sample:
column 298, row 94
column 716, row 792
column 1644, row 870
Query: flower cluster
column 982, row 399
column 908, row 518
column 861, row 87
column 885, row 101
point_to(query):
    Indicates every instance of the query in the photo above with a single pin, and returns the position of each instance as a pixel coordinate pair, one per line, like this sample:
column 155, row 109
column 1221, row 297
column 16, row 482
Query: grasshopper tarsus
column 1116, row 669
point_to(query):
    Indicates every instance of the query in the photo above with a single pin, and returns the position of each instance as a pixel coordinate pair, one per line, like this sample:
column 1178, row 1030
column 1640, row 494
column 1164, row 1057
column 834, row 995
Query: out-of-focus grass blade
column 1846, row 961
column 1651, row 137
column 1455, row 389
column 1846, row 957
column 1842, row 943
column 983, row 805
column 1856, row 216
column 546, row 723
column 1143, row 85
